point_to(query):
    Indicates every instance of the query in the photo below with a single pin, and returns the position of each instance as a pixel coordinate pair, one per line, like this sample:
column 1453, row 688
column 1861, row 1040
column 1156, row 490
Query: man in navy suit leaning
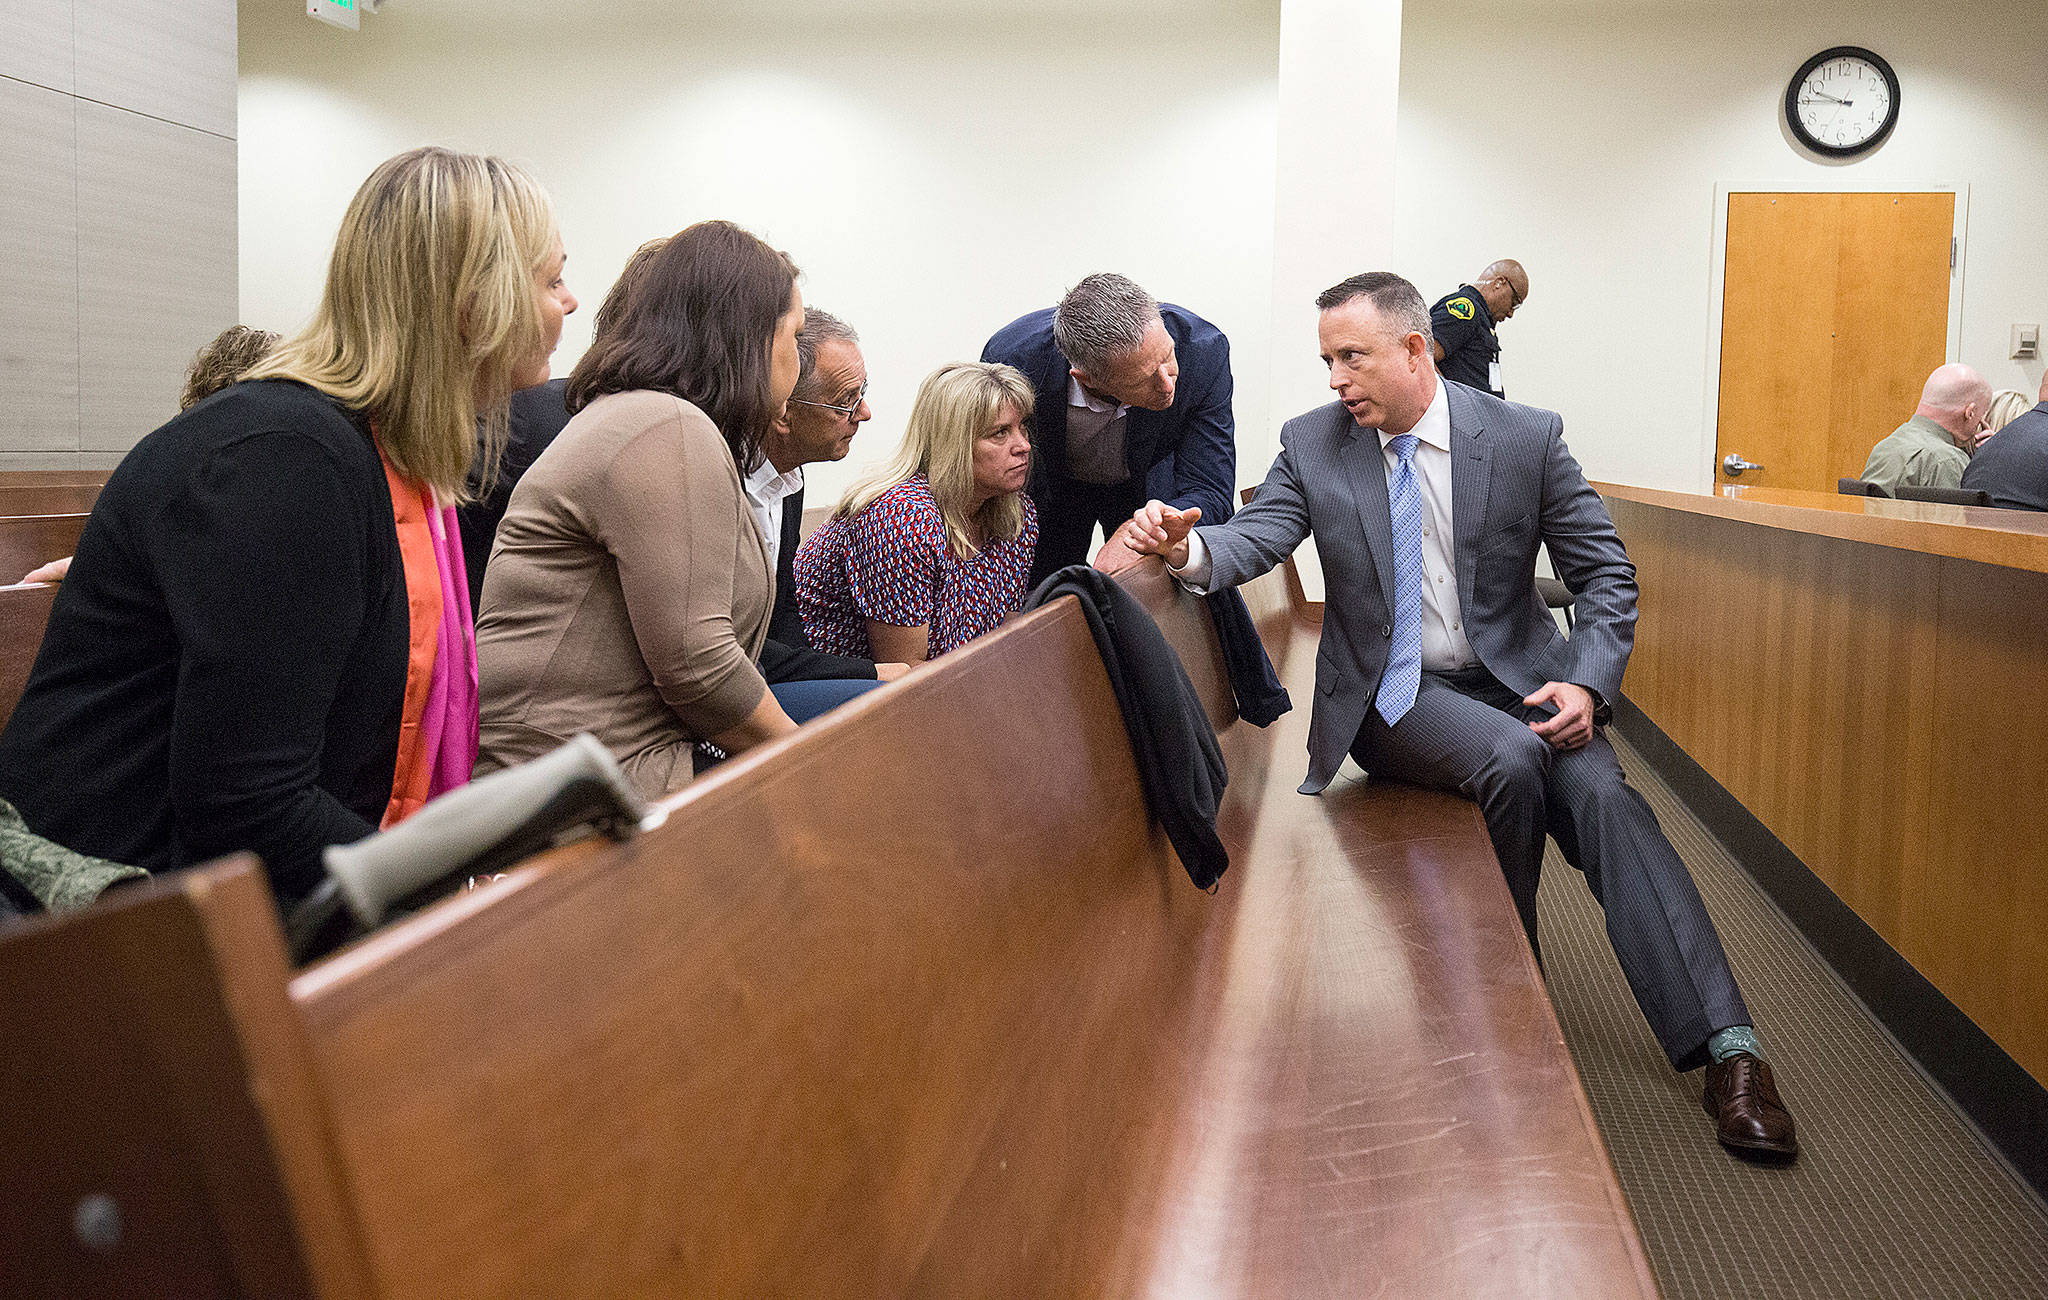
column 1133, row 401
column 1441, row 666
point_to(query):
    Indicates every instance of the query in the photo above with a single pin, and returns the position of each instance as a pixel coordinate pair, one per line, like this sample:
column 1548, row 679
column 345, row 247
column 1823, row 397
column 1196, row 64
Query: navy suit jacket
column 2013, row 465
column 1187, row 453
column 1514, row 486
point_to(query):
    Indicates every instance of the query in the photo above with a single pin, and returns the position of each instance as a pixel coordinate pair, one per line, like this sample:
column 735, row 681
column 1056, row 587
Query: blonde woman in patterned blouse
column 933, row 549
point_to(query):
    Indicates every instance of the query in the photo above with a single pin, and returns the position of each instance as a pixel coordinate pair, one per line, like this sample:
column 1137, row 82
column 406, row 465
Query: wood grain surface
column 904, row 1007
column 154, row 1064
column 2015, row 539
column 915, row 1002
column 1871, row 688
column 31, row 541
column 1835, row 308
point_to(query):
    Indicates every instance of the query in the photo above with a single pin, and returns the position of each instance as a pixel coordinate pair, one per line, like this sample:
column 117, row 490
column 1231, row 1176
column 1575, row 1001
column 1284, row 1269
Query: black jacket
column 538, row 415
column 224, row 668
column 1179, row 762
column 1260, row 696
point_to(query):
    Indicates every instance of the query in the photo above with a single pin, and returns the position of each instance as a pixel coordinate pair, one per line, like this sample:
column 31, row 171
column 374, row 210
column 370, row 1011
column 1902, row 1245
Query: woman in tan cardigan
column 629, row 590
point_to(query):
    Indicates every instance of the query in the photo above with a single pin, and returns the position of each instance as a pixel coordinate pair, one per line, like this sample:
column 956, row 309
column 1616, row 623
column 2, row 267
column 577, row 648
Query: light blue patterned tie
column 1403, row 676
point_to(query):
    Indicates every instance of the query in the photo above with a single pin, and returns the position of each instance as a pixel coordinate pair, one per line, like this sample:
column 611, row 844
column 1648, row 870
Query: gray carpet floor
column 1894, row 1193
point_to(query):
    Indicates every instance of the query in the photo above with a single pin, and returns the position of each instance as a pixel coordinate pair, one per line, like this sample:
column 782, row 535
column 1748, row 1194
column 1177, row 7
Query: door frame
column 1718, row 268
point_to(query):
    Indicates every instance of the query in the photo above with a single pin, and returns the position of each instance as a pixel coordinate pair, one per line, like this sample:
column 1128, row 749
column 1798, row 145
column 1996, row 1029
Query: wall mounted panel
column 156, row 266
column 38, row 44
column 39, row 310
column 176, row 62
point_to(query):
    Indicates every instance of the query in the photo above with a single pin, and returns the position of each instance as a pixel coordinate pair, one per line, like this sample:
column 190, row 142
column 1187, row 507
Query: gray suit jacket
column 1513, row 486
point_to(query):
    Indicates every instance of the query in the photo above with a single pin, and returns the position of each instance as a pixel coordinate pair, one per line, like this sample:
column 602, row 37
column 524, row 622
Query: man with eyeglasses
column 825, row 411
column 1467, row 349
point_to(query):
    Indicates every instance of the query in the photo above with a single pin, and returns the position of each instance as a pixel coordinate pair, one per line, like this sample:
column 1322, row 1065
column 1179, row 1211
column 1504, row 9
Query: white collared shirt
column 1079, row 396
column 1444, row 644
column 766, row 488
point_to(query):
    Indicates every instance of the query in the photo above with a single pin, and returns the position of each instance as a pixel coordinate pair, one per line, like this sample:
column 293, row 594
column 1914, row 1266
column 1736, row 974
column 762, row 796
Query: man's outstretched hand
column 1158, row 529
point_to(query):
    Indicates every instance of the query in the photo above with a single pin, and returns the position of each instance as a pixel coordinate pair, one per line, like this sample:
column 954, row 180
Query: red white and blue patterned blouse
column 891, row 563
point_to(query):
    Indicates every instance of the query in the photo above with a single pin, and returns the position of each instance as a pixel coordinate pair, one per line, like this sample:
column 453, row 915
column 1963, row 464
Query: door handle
column 1733, row 464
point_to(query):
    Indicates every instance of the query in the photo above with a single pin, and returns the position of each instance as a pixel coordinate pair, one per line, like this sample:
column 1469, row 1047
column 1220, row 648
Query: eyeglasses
column 1514, row 299
column 849, row 410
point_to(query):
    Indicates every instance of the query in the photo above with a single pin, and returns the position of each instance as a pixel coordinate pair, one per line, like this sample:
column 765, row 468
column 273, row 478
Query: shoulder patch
column 1460, row 306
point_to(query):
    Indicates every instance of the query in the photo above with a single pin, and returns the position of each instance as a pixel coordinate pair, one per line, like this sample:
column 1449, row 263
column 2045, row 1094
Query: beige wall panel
column 173, row 61
column 39, row 307
column 38, row 42
column 156, row 261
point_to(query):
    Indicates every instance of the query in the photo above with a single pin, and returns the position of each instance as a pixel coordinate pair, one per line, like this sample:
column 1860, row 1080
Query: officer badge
column 1460, row 307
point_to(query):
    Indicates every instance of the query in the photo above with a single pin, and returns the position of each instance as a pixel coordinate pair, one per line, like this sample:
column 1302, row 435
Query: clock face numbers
column 1843, row 101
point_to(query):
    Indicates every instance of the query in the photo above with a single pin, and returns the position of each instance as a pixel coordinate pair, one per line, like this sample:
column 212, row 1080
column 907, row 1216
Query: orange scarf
column 409, row 506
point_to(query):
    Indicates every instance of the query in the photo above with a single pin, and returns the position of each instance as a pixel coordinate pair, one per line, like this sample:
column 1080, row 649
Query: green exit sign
column 339, row 13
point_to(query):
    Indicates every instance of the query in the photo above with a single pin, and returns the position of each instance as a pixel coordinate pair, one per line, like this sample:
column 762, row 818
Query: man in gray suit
column 1440, row 665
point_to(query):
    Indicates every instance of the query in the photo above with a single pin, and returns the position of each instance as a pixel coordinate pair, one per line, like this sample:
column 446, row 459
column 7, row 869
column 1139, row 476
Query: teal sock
column 1735, row 1038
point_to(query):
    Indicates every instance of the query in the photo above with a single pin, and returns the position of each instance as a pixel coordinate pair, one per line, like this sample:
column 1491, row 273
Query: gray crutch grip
column 487, row 825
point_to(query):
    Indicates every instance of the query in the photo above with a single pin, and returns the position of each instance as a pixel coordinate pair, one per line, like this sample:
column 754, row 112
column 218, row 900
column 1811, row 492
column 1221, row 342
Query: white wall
column 1590, row 148
column 935, row 169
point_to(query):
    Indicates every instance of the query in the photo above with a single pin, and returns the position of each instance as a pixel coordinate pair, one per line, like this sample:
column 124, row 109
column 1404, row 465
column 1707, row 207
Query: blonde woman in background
column 264, row 646
column 2007, row 404
column 933, row 549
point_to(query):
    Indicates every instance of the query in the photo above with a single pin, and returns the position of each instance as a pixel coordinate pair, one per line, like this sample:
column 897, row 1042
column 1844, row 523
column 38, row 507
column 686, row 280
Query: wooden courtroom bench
column 42, row 511
column 24, row 612
column 916, row 1001
column 47, row 498
column 31, row 541
column 13, row 478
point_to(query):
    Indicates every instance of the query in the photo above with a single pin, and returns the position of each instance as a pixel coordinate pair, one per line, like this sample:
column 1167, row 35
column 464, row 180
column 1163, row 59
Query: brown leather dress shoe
column 1748, row 1117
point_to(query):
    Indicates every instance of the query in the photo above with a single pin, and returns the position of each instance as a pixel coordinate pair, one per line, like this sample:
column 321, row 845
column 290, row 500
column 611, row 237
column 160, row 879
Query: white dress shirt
column 1444, row 644
column 766, row 487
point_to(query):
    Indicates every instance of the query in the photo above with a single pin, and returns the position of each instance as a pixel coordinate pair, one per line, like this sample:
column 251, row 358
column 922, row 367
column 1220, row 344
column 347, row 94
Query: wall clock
column 1843, row 101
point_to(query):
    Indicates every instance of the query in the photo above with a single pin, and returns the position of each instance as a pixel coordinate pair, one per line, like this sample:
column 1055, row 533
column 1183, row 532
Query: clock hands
column 1820, row 95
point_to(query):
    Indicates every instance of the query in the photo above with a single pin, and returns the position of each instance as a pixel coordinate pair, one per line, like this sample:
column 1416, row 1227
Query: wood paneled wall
column 1882, row 710
column 120, row 208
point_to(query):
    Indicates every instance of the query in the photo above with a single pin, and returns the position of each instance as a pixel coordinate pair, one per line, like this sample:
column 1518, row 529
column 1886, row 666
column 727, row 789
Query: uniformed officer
column 1466, row 347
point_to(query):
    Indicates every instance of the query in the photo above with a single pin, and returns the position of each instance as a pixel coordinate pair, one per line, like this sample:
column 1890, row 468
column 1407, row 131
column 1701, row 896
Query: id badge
column 1493, row 375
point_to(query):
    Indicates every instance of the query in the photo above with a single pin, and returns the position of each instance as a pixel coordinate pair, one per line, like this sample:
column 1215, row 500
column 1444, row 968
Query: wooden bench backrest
column 30, row 541
column 896, row 1005
column 24, row 612
column 19, row 478
column 865, row 1016
column 158, row 1071
column 48, row 498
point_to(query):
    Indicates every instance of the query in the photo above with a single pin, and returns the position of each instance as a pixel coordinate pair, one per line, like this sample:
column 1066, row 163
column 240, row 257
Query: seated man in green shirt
column 1934, row 447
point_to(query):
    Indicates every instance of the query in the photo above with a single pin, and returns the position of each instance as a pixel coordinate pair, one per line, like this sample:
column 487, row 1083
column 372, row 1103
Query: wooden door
column 1835, row 309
